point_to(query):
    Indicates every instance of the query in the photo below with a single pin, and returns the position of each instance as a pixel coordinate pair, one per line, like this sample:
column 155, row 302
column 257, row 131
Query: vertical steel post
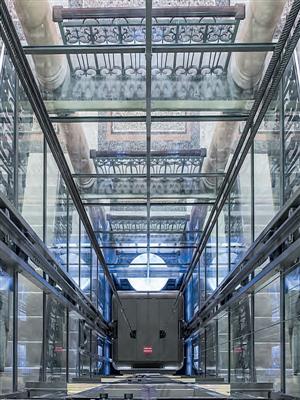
column 15, row 330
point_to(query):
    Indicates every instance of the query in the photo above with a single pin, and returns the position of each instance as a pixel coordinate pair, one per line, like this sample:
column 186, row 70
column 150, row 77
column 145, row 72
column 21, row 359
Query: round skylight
column 148, row 284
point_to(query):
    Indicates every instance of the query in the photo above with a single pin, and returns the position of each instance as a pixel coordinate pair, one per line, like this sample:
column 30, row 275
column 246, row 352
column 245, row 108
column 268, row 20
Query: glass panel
column 73, row 345
column 291, row 129
column 211, row 349
column 85, row 263
column 57, row 214
column 30, row 319
column 267, row 333
column 292, row 335
column 8, row 128
column 223, row 243
column 240, row 214
column 55, row 340
column 223, row 345
column 31, row 169
column 74, row 242
column 85, row 349
column 240, row 341
column 6, row 331
column 267, row 169
column 211, row 264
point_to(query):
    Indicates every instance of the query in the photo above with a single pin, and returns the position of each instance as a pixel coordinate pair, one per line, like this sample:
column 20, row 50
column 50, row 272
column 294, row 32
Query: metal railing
column 180, row 28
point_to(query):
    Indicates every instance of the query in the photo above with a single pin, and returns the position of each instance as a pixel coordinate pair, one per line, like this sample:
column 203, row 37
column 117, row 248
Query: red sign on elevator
column 148, row 350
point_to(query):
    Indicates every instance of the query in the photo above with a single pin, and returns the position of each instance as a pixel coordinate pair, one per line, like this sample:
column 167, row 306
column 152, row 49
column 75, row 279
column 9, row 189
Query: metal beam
column 138, row 49
column 21, row 234
column 277, row 232
column 155, row 118
column 24, row 71
column 282, row 54
column 166, row 175
column 148, row 57
column 60, row 13
column 278, row 264
column 180, row 153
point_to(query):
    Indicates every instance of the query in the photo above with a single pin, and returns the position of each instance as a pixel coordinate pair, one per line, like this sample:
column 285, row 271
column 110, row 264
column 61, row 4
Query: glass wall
column 30, row 320
column 6, row 330
column 244, row 343
column 254, row 339
column 46, row 333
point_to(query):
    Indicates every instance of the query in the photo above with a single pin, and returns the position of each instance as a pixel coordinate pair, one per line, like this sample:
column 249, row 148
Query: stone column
column 39, row 29
column 262, row 17
column 52, row 70
column 246, row 69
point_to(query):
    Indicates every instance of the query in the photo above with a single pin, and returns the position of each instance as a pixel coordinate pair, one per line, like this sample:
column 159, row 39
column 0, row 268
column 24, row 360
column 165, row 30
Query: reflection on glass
column 291, row 130
column 240, row 340
column 267, row 170
column 30, row 167
column 6, row 331
column 73, row 345
column 55, row 340
column 7, row 131
column 267, row 333
column 30, row 319
column 292, row 310
column 84, row 349
column 223, row 359
column 240, row 214
column 57, row 215
column 211, row 349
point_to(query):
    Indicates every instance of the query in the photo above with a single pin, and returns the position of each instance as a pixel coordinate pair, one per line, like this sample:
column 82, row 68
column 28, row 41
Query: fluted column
column 246, row 69
column 262, row 17
column 52, row 70
column 39, row 29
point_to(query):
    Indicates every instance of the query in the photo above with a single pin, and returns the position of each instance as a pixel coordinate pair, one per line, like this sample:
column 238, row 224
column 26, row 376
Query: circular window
column 148, row 284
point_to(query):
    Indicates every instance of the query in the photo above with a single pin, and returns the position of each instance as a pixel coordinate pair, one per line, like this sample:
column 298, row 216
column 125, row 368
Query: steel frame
column 25, row 239
column 136, row 49
column 60, row 13
column 14, row 48
column 155, row 118
column 276, row 233
column 281, row 56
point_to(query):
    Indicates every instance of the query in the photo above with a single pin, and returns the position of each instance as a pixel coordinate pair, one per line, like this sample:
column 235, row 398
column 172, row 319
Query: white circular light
column 148, row 284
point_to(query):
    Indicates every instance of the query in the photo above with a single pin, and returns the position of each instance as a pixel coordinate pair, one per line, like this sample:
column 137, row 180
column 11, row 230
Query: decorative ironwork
column 189, row 162
column 184, row 87
column 129, row 30
column 158, row 187
column 139, row 224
